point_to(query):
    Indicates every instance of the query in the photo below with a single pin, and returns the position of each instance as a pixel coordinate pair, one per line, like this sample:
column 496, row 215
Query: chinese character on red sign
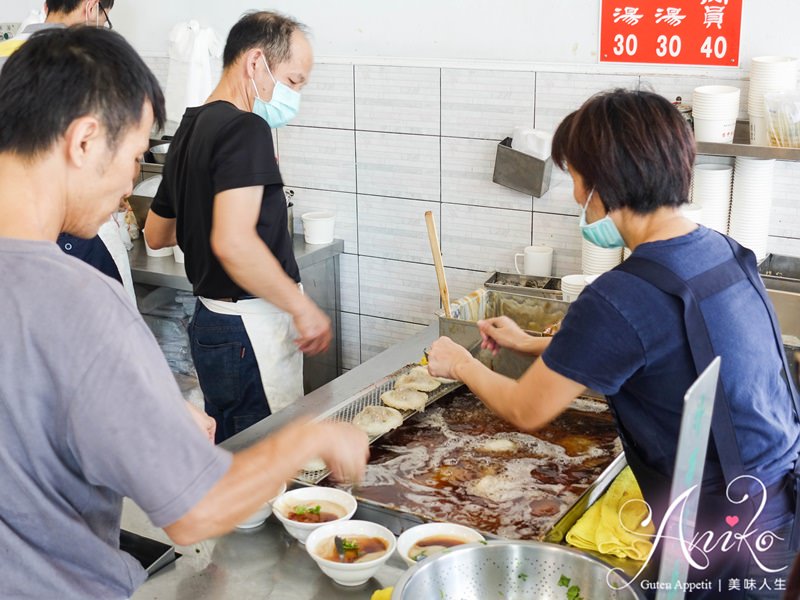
column 686, row 32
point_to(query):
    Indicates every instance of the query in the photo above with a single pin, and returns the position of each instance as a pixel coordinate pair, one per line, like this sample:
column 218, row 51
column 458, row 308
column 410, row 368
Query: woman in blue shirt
column 642, row 333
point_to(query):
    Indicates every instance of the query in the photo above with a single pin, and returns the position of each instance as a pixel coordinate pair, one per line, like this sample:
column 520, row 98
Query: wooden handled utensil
column 437, row 261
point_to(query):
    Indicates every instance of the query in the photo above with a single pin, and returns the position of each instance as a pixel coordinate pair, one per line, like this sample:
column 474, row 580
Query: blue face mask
column 603, row 233
column 282, row 108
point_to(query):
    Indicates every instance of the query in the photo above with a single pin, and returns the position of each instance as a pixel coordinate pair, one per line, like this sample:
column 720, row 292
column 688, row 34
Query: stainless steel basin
column 512, row 570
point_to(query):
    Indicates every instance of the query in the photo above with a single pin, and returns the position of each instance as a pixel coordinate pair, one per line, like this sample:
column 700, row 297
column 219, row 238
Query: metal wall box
column 520, row 171
column 780, row 272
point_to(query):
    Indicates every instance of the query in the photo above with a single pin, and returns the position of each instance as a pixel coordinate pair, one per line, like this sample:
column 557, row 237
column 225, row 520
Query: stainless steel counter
column 267, row 563
column 167, row 273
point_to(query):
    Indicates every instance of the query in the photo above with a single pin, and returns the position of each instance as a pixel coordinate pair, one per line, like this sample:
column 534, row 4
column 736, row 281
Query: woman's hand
column 502, row 332
column 444, row 356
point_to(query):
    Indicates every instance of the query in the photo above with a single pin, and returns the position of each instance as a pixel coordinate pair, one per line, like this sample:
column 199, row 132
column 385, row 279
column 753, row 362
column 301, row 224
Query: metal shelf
column 741, row 147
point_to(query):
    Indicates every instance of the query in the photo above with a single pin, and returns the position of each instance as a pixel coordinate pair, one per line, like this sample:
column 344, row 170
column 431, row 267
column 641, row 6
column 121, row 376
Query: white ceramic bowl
column 411, row 536
column 300, row 531
column 257, row 519
column 349, row 574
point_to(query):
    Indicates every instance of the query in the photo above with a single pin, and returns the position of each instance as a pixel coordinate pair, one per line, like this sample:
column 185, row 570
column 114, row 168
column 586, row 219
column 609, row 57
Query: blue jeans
column 227, row 370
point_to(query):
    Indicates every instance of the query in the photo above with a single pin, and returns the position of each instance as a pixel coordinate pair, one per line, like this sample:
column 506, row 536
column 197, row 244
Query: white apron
column 272, row 334
column 110, row 235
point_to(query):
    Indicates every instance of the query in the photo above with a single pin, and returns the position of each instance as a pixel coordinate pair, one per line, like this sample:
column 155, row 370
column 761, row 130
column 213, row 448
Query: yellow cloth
column 8, row 47
column 384, row 594
column 611, row 528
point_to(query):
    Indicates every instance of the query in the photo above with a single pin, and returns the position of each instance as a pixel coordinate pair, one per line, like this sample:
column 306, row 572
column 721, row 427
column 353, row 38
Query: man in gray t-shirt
column 90, row 410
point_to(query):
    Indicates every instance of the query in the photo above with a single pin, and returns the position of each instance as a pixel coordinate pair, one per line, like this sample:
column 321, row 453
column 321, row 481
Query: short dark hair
column 270, row 32
column 62, row 74
column 633, row 147
column 67, row 6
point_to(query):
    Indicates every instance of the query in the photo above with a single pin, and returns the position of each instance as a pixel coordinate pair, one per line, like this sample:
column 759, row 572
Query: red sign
column 680, row 32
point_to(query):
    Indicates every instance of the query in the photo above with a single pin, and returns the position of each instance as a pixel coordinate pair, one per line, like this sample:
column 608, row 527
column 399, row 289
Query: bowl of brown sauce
column 351, row 552
column 423, row 541
column 305, row 509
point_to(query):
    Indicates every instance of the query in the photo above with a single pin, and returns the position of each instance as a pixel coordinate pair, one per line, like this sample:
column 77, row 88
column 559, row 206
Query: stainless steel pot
column 512, row 570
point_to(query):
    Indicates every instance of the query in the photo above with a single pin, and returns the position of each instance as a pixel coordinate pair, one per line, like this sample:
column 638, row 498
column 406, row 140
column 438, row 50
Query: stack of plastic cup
column 768, row 74
column 711, row 190
column 714, row 111
column 626, row 252
column 752, row 201
column 596, row 260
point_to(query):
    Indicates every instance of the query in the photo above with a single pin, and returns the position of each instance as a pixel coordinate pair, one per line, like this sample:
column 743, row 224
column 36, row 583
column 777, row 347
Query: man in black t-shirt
column 222, row 200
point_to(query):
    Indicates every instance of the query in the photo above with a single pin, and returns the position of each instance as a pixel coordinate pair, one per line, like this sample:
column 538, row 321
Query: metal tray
column 345, row 412
column 781, row 272
column 462, row 328
column 543, row 287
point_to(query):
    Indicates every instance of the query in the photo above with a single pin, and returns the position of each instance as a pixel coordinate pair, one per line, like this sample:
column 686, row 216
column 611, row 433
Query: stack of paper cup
column 626, row 252
column 572, row 286
column 711, row 189
column 596, row 260
column 714, row 111
column 752, row 201
column 768, row 74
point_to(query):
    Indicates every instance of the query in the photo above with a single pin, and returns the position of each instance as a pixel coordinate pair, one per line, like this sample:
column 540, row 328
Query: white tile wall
column 395, row 228
column 398, row 99
column 486, row 104
column 483, row 239
column 378, row 334
column 558, row 94
column 380, row 145
column 328, row 98
column 341, row 203
column 318, row 158
column 467, row 168
column 461, row 282
column 785, row 215
column 399, row 165
column 558, row 199
column 563, row 234
column 351, row 340
column 402, row 291
column 348, row 283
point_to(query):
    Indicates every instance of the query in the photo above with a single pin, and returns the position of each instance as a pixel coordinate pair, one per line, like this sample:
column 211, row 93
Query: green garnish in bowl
column 351, row 545
column 311, row 510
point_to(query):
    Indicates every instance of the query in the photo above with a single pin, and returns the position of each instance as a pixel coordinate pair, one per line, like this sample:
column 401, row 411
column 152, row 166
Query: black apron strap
column 747, row 261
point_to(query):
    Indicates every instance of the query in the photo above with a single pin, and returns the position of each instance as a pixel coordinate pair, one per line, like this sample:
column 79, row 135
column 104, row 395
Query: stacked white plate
column 596, row 260
column 714, row 111
column 752, row 201
column 572, row 286
column 768, row 74
column 711, row 190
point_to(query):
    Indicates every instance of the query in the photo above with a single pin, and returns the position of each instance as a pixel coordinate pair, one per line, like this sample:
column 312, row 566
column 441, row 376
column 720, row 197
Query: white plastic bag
column 194, row 55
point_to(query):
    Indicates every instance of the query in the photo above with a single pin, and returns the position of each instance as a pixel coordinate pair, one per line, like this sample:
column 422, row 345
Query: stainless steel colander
column 511, row 571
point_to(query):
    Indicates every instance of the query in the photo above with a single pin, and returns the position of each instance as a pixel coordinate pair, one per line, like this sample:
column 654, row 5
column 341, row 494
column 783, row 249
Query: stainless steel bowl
column 160, row 153
column 511, row 570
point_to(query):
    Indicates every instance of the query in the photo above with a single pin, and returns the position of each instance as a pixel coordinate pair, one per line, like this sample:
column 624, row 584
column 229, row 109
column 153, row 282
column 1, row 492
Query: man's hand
column 313, row 329
column 344, row 448
column 205, row 423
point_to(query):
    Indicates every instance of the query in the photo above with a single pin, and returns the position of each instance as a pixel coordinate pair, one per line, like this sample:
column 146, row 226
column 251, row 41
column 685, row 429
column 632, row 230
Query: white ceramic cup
column 538, row 261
